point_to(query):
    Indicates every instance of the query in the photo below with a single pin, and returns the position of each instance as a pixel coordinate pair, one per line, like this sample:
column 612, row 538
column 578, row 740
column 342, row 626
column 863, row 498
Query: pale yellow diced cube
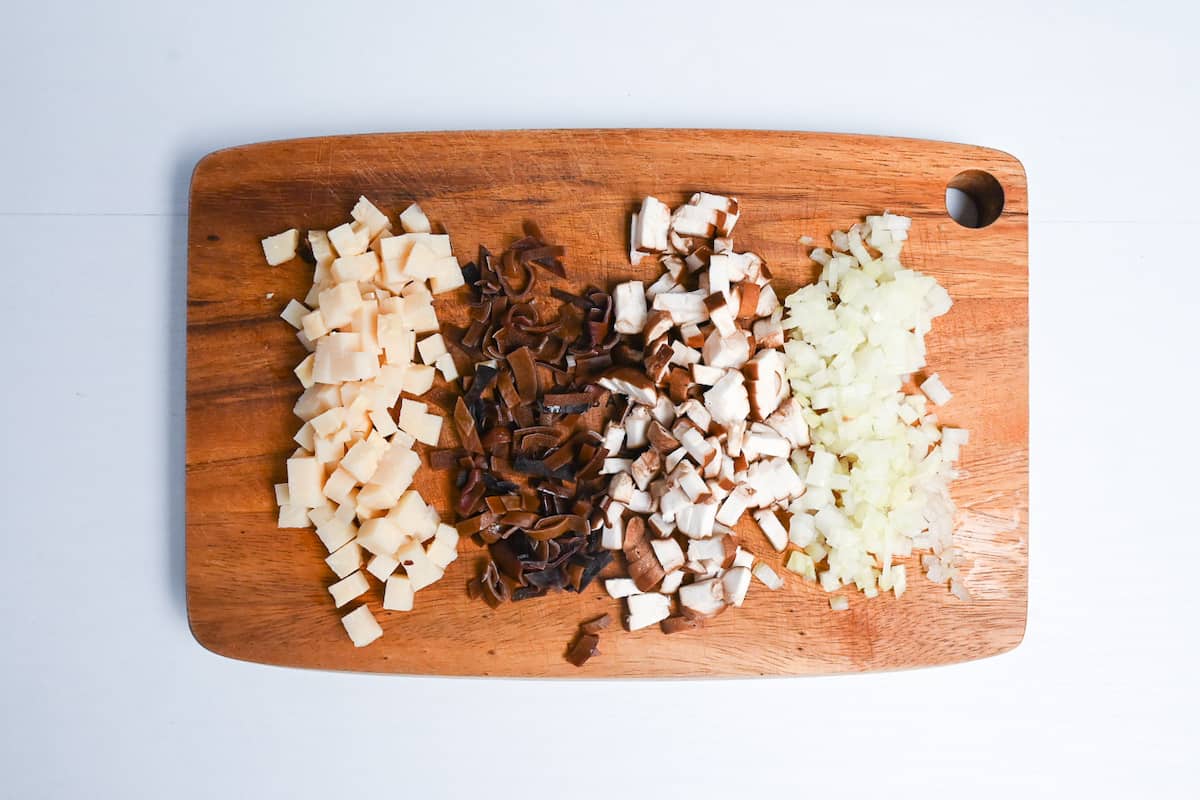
column 417, row 565
column 361, row 461
column 382, row 566
column 428, row 524
column 421, row 263
column 328, row 451
column 393, row 476
column 367, row 213
column 334, row 533
column 391, row 377
column 408, row 513
column 361, row 626
column 281, row 247
column 294, row 313
column 418, row 378
column 339, row 486
column 282, row 495
column 411, row 412
column 380, row 536
column 431, row 348
column 346, row 560
column 366, row 514
column 348, row 392
column 361, row 267
column 322, row 250
column 313, row 298
column 338, row 304
column 398, row 594
column 322, row 513
column 447, row 534
column 365, row 322
column 314, row 326
column 304, row 437
column 413, row 220
column 327, row 424
column 304, row 371
column 445, row 365
column 305, row 341
column 348, row 588
column 306, row 476
column 425, row 428
column 293, row 517
column 392, row 305
column 446, row 277
column 350, row 239
column 383, row 422
column 441, row 554
column 315, row 400
column 419, row 314
column 346, row 511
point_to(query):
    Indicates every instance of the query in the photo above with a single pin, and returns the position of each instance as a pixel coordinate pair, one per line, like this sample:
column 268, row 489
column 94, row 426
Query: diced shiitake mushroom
column 711, row 426
column 647, row 609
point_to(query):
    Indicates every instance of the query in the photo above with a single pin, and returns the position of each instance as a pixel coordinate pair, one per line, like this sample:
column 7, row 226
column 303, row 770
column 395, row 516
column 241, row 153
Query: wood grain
column 259, row 593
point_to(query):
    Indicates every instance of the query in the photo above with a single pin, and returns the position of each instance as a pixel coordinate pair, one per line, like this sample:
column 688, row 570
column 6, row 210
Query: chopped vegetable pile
column 372, row 314
column 622, row 436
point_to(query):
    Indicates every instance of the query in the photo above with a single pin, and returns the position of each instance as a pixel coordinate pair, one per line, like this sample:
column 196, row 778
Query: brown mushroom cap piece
column 584, row 648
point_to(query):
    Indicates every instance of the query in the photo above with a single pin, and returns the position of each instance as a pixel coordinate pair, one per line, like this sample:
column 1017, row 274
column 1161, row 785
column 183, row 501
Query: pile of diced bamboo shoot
column 371, row 329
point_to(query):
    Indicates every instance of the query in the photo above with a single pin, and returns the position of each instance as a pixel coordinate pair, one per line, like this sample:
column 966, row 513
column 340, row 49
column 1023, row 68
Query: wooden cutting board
column 258, row 593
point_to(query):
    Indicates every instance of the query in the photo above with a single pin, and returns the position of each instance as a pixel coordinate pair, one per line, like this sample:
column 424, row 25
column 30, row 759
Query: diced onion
column 879, row 468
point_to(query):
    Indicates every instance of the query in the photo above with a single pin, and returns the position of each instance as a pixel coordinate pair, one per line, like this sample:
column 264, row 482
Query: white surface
column 106, row 695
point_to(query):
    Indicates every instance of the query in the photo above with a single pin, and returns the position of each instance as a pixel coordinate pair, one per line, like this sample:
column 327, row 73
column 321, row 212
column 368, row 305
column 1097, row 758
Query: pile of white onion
column 878, row 471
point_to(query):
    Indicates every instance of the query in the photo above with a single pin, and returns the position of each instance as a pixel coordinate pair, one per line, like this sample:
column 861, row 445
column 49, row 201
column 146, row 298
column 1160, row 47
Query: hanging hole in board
column 974, row 199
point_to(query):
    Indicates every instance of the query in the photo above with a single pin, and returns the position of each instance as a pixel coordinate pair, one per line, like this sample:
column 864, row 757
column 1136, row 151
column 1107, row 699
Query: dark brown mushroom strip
column 538, row 442
column 495, row 590
column 549, row 578
column 468, row 433
column 515, row 276
column 521, row 362
column 528, row 592
column 553, row 527
column 508, row 390
column 471, row 493
column 475, row 524
column 519, row 519
column 533, row 407
column 575, row 572
column 497, row 441
column 596, row 625
column 560, row 459
column 552, row 350
column 591, row 469
column 596, row 562
column 584, row 648
column 507, row 561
